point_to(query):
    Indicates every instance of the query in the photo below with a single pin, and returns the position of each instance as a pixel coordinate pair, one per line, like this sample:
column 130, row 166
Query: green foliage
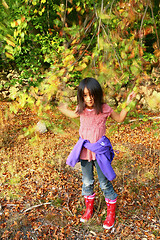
column 7, row 43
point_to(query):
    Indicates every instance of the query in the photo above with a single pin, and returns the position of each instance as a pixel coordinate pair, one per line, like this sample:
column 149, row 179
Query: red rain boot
column 110, row 219
column 89, row 201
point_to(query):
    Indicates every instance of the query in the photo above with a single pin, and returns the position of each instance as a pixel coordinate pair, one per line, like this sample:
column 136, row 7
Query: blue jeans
column 88, row 180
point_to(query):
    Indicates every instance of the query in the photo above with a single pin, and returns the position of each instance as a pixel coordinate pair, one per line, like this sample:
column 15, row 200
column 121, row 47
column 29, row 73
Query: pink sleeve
column 107, row 110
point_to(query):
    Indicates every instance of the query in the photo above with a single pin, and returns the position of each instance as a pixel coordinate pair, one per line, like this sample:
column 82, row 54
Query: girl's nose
column 89, row 98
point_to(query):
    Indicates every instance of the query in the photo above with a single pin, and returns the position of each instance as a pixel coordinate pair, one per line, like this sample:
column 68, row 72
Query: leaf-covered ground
column 40, row 196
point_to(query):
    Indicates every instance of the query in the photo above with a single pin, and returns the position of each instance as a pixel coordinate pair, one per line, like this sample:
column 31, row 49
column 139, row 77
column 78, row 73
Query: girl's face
column 88, row 99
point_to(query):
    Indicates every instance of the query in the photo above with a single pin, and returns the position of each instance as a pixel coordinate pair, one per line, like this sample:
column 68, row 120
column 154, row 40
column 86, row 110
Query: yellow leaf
column 10, row 43
column 81, row 67
column 13, row 24
column 9, row 55
column 43, row 9
column 22, row 99
column 14, row 108
column 156, row 95
column 15, row 33
column 102, row 44
column 40, row 13
column 38, row 103
column 104, row 16
column 13, row 92
column 36, row 89
column 65, row 79
column 157, row 53
column 74, row 41
column 5, row 4
column 68, row 58
column 152, row 103
column 30, row 100
column 34, row 2
column 69, row 10
column 78, row 9
column 70, row 68
column 19, row 21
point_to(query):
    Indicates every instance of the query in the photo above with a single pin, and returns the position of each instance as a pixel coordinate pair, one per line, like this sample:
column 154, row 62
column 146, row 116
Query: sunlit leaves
column 135, row 68
column 5, row 4
column 68, row 59
column 9, row 49
column 105, row 17
column 10, row 41
column 42, row 11
column 128, row 56
column 13, row 92
column 154, row 101
column 103, row 44
column 81, row 67
column 9, row 55
column 14, row 108
column 34, row 2
column 152, row 98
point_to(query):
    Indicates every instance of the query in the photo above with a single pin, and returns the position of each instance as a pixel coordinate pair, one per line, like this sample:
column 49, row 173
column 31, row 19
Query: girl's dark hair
column 95, row 91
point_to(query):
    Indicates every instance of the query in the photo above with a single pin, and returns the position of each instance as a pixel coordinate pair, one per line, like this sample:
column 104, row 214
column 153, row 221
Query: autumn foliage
column 52, row 45
column 117, row 43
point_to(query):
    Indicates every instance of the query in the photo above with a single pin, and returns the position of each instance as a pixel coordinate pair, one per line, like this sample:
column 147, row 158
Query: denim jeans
column 88, row 180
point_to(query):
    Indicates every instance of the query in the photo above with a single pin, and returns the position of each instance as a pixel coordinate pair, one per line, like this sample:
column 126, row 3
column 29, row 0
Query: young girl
column 93, row 148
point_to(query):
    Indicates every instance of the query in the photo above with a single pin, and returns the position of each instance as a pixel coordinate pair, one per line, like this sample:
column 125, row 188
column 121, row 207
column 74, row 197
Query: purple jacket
column 104, row 155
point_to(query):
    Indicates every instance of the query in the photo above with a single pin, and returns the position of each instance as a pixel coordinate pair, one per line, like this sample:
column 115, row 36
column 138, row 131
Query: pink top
column 92, row 128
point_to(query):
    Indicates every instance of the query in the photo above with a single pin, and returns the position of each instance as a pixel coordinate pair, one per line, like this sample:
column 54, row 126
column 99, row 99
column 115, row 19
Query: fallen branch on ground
column 36, row 206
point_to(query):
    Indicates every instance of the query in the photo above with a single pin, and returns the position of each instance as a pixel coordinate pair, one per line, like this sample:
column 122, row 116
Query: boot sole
column 106, row 227
column 83, row 220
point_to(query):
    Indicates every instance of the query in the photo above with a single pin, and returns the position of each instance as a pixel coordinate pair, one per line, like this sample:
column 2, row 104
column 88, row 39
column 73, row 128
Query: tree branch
column 140, row 30
column 36, row 206
column 154, row 24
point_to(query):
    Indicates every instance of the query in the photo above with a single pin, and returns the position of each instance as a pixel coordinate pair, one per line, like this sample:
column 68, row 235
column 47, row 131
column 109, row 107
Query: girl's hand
column 119, row 117
column 130, row 97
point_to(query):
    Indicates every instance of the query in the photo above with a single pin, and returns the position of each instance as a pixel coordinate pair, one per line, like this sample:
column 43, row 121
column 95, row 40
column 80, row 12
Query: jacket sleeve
column 74, row 156
column 105, row 167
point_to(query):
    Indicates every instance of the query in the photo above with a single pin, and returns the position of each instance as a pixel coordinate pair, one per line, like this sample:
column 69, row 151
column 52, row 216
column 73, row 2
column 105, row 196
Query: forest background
column 51, row 45
column 46, row 48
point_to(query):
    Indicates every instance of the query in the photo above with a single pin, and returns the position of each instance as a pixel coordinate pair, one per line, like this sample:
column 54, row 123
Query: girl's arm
column 69, row 113
column 119, row 117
